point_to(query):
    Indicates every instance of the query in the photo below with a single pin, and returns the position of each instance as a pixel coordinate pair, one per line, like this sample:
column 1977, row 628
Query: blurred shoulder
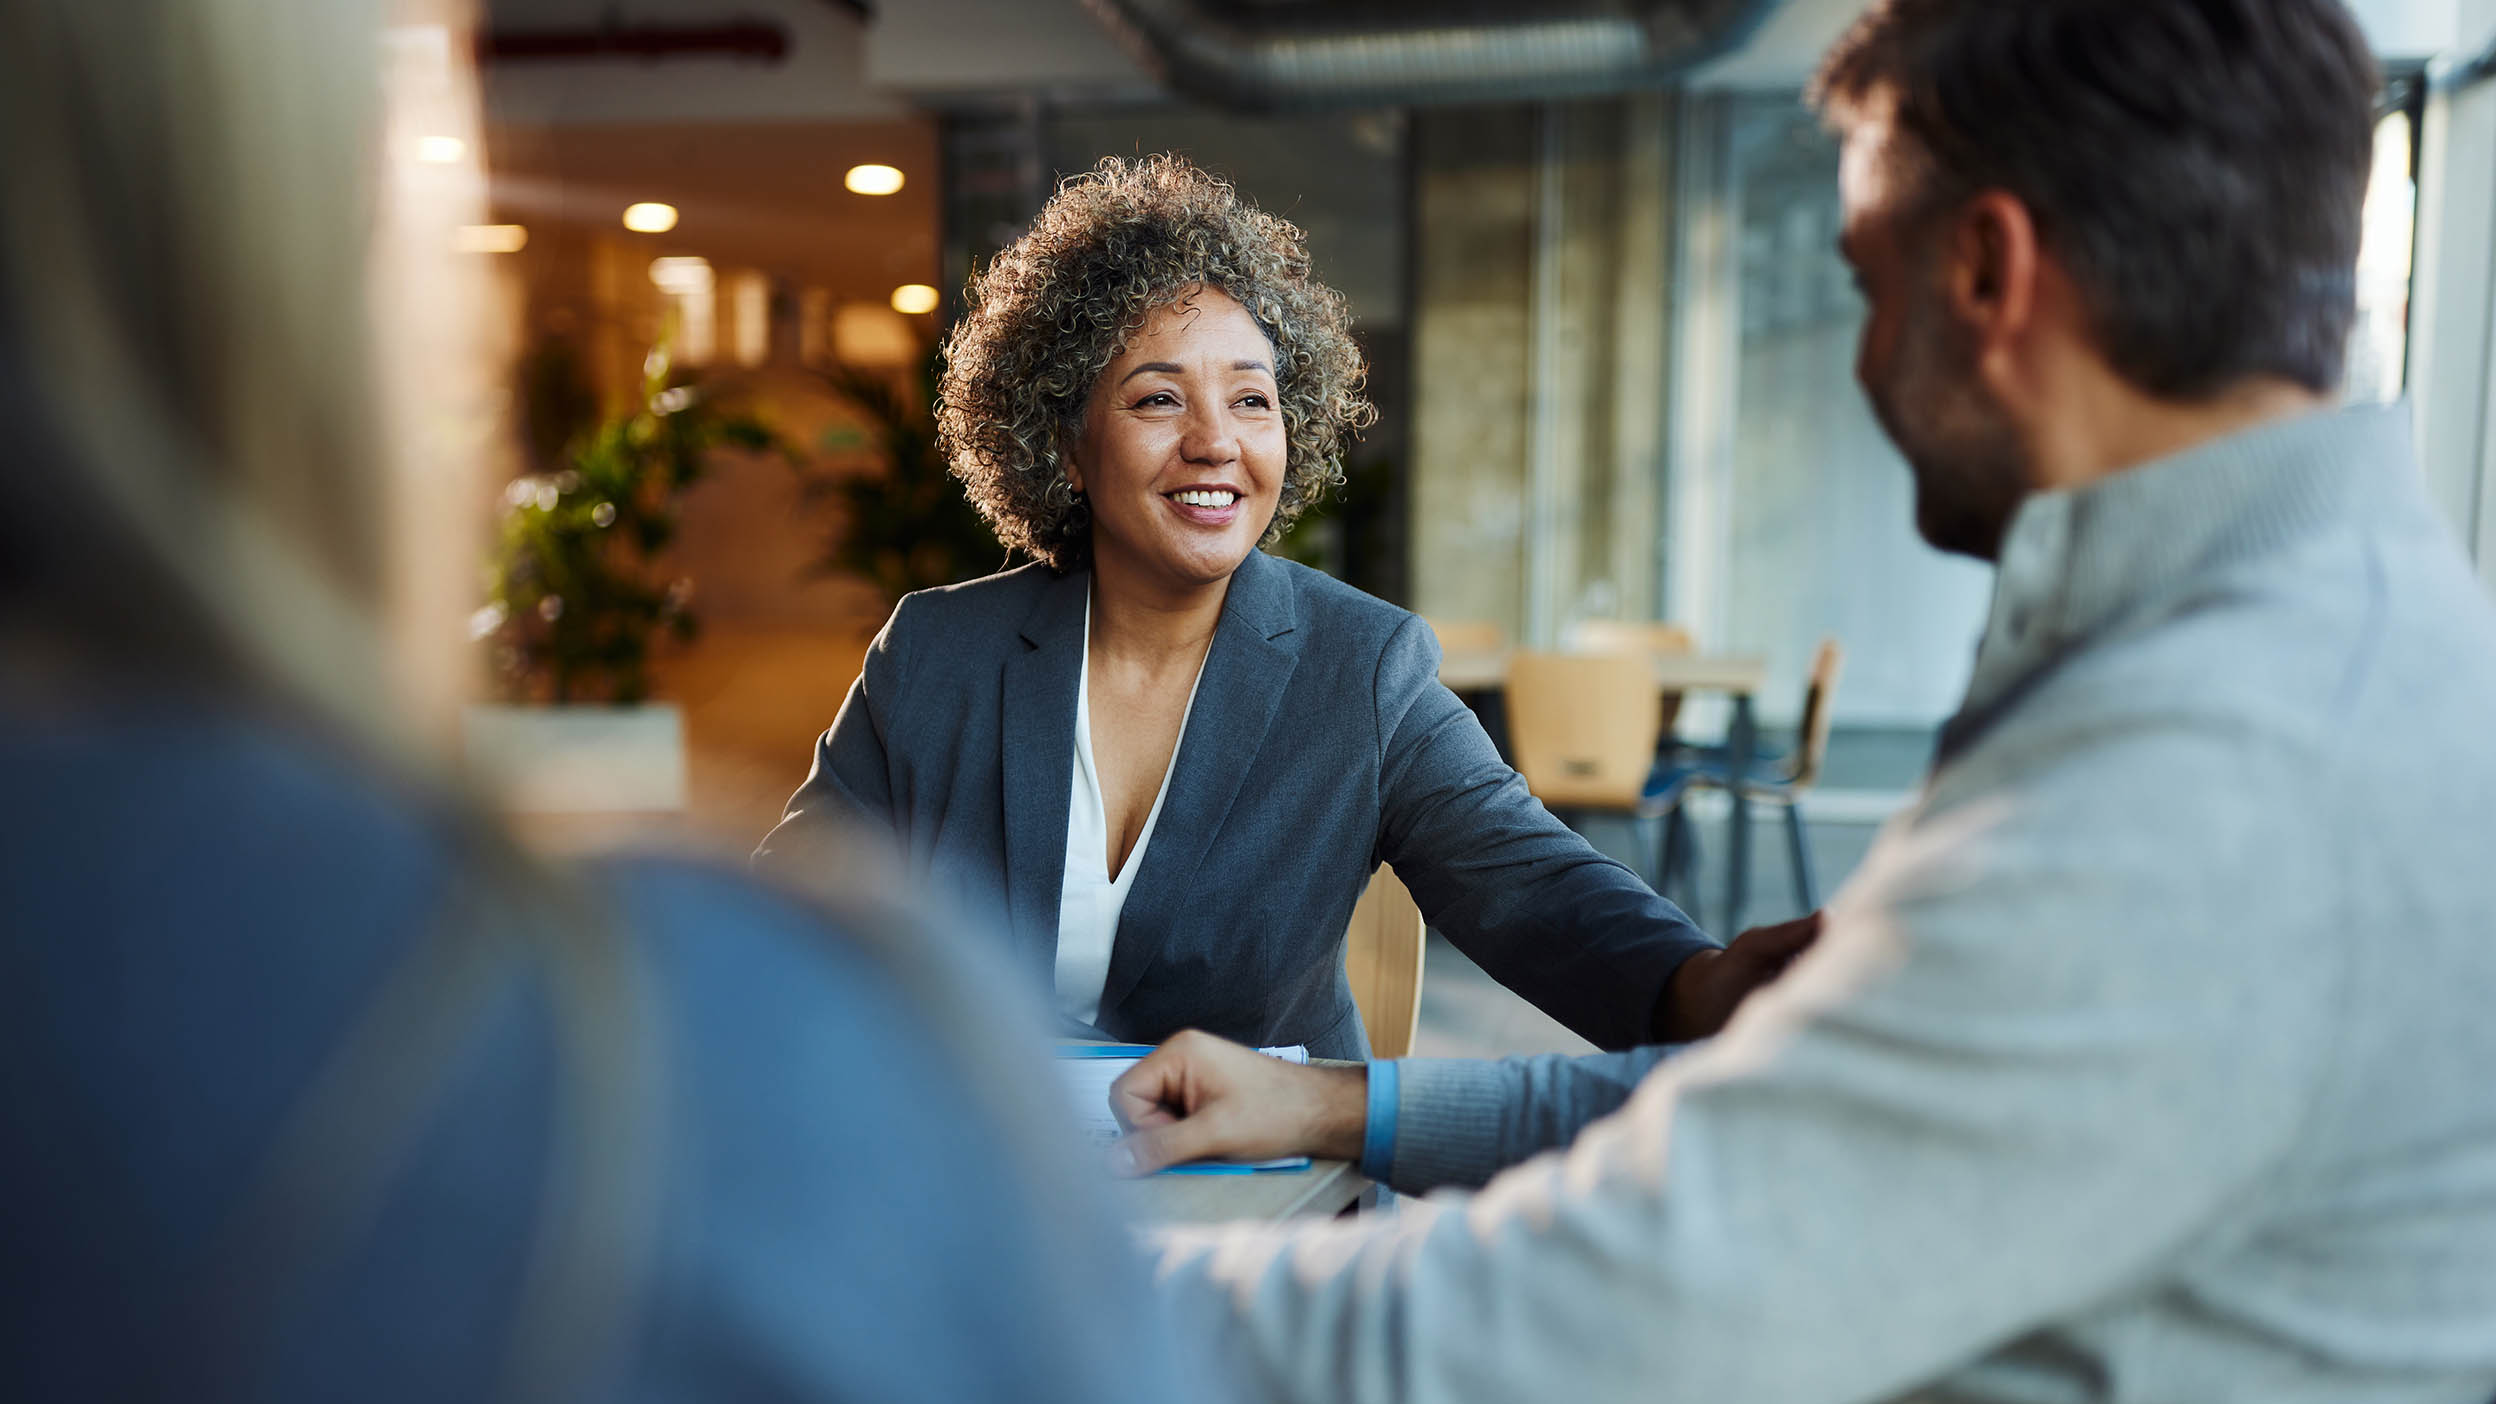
column 1004, row 598
column 153, row 808
column 953, row 633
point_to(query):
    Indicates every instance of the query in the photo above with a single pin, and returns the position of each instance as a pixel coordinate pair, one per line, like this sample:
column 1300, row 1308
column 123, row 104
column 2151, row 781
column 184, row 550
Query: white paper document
column 1087, row 1070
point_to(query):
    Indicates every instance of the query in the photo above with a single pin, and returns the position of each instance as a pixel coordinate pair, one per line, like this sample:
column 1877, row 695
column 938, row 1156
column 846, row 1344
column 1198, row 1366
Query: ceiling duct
column 1284, row 55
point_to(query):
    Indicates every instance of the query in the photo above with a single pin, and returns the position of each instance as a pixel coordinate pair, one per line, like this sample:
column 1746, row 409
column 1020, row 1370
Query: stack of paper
column 1087, row 1070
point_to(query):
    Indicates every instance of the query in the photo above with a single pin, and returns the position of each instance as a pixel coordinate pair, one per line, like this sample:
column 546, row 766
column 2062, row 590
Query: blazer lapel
column 1246, row 673
column 1038, row 763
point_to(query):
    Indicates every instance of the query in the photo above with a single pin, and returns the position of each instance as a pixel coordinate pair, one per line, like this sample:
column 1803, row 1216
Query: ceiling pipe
column 1260, row 56
column 649, row 43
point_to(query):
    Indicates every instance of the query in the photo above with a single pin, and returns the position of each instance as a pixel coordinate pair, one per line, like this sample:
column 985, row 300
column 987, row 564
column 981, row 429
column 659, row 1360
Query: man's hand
column 1198, row 1097
column 1709, row 986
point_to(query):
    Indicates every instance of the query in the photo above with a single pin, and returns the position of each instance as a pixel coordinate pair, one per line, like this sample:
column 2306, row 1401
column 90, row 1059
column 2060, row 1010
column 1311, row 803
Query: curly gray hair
column 1052, row 311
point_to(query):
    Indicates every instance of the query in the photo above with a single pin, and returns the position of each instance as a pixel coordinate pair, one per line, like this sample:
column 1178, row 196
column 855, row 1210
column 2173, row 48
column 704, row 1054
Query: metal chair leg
column 1668, row 853
column 1804, row 887
column 1679, row 881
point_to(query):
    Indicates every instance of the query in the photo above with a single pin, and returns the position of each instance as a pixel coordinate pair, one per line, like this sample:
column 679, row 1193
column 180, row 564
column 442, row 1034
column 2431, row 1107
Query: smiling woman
column 1164, row 761
column 1054, row 310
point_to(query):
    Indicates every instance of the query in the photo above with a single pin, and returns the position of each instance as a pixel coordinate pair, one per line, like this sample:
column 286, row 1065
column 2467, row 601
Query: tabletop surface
column 1326, row 1188
column 1479, row 671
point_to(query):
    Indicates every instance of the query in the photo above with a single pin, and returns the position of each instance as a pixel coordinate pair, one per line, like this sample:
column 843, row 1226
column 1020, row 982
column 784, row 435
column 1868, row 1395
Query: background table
column 1484, row 672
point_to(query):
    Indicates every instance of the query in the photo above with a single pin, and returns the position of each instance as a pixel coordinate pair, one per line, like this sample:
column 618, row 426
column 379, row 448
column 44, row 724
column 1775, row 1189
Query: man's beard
column 1970, row 471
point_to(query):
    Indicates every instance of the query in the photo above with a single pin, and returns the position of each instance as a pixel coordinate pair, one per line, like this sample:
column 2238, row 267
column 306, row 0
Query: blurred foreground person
column 317, row 1088
column 2147, row 1058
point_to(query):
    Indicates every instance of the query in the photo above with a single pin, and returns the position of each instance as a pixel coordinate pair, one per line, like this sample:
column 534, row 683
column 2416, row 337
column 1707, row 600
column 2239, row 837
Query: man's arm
column 1416, row 1124
column 2051, row 1040
column 1457, row 1121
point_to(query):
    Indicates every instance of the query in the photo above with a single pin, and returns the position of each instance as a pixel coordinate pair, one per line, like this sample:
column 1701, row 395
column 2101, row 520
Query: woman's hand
column 1198, row 1097
column 1709, row 986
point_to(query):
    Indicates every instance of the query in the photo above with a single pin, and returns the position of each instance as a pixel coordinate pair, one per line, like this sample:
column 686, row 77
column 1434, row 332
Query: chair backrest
column 1382, row 960
column 1469, row 635
column 1629, row 636
column 1813, row 733
column 1635, row 636
column 1583, row 726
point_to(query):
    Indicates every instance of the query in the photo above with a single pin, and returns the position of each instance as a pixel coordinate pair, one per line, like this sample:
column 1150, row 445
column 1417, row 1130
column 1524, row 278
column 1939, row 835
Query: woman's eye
column 1255, row 399
column 1158, row 398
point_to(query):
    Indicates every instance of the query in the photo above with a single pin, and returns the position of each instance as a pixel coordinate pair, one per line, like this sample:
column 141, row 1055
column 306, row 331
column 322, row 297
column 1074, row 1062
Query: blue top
column 202, row 914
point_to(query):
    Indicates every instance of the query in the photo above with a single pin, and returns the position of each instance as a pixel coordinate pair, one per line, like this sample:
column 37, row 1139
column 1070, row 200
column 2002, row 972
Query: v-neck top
column 1091, row 901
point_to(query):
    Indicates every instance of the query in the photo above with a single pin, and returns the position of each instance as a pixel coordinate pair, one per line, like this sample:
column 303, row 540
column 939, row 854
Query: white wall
column 2453, row 331
column 2411, row 29
column 956, row 46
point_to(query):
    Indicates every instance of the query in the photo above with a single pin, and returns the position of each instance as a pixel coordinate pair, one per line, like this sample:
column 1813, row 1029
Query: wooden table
column 1486, row 671
column 1737, row 677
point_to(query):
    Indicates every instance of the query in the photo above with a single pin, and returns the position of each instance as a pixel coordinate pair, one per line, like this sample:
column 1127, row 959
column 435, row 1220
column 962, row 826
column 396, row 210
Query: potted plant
column 904, row 523
column 578, row 597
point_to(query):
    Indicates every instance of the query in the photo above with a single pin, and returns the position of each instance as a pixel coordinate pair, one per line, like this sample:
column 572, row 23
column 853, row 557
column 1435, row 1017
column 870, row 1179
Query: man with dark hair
column 2146, row 1057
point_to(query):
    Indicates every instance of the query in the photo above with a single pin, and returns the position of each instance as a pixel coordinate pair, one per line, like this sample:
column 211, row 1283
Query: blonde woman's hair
column 189, row 208
column 192, row 197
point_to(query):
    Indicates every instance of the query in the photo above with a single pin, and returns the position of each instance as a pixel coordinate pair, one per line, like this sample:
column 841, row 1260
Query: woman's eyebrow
column 1172, row 368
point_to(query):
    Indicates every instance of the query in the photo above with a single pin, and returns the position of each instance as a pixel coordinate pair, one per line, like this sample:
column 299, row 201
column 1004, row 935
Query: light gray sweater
column 2148, row 1057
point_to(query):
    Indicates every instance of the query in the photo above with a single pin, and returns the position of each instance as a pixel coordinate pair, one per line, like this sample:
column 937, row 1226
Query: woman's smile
column 1206, row 506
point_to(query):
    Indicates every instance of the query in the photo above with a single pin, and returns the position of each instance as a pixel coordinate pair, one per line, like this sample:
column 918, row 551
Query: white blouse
column 1090, row 902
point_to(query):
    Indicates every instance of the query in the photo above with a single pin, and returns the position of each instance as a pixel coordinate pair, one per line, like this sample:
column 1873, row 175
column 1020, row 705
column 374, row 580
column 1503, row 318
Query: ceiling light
column 914, row 298
column 489, row 238
column 441, row 150
column 873, row 180
column 650, row 217
column 682, row 274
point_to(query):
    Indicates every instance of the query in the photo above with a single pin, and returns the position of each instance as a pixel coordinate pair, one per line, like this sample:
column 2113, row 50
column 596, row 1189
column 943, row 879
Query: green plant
column 575, row 594
column 1333, row 533
column 903, row 522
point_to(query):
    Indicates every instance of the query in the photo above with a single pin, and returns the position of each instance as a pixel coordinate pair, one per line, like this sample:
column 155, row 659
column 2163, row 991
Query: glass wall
column 1820, row 510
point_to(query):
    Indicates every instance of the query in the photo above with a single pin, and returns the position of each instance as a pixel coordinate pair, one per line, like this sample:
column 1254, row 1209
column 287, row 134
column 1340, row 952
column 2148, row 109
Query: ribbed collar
column 2076, row 563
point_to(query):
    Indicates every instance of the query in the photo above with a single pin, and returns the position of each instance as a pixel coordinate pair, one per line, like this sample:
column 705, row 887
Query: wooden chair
column 1469, row 635
column 1584, row 728
column 1641, row 637
column 1382, row 959
column 1784, row 785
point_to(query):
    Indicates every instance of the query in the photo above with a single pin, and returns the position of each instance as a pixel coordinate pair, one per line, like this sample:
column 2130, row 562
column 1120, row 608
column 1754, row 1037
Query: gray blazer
column 1321, row 744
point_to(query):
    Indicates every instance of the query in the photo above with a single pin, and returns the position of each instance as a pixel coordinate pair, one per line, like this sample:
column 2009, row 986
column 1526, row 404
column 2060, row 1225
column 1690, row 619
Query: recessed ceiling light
column 914, row 298
column 489, row 238
column 681, row 274
column 873, row 180
column 650, row 217
column 441, row 150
